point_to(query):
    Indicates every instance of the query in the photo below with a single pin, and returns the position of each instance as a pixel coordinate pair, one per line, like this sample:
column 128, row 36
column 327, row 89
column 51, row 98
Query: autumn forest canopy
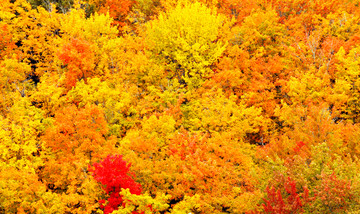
column 166, row 106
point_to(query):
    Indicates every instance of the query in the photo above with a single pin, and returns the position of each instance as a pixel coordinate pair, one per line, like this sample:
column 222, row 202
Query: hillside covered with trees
column 166, row 106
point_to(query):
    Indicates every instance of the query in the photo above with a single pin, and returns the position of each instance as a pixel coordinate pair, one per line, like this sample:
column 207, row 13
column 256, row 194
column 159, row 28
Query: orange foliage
column 6, row 41
column 118, row 10
column 211, row 102
column 77, row 55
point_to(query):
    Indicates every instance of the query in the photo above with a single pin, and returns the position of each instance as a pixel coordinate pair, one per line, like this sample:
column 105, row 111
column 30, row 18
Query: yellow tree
column 49, row 93
column 186, row 39
column 21, row 157
column 13, row 82
column 36, row 33
column 118, row 104
column 347, row 85
column 213, row 112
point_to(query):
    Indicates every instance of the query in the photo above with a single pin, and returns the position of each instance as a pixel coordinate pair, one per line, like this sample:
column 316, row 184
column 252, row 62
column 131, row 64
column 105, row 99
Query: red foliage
column 113, row 173
column 291, row 204
column 333, row 192
column 302, row 149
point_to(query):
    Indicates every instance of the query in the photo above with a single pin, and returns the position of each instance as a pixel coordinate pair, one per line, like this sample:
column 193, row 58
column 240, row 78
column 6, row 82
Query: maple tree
column 113, row 174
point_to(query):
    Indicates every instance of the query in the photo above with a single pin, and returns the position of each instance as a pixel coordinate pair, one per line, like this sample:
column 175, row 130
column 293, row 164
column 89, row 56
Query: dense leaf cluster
column 191, row 106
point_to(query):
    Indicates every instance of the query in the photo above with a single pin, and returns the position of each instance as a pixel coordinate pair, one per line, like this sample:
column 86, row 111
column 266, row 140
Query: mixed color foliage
column 191, row 106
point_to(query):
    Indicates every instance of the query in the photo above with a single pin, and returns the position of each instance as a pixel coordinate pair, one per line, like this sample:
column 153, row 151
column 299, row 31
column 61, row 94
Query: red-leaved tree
column 113, row 173
column 291, row 203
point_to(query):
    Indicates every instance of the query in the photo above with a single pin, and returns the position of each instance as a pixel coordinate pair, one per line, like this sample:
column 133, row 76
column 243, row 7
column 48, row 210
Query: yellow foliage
column 261, row 34
column 186, row 39
column 347, row 86
column 48, row 93
column 213, row 112
column 142, row 203
column 18, row 134
column 21, row 191
column 117, row 103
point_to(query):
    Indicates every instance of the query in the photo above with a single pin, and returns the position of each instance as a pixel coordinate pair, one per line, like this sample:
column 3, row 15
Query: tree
column 20, row 186
column 347, row 86
column 184, row 164
column 13, row 82
column 7, row 42
column 254, row 67
column 118, row 10
column 186, row 39
column 117, row 103
column 293, row 203
column 113, row 173
column 79, row 59
column 213, row 112
column 325, row 175
column 77, row 139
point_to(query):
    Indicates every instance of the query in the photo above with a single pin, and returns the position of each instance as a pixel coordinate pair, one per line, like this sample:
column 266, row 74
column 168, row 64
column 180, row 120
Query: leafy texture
column 218, row 106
